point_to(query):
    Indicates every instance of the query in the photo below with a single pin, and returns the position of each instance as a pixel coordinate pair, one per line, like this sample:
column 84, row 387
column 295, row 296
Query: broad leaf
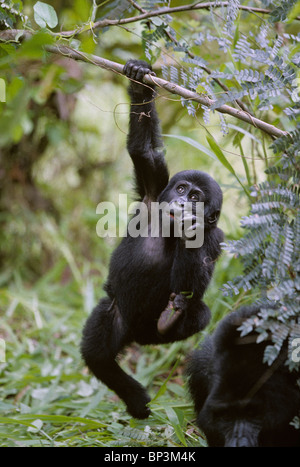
column 219, row 153
column 45, row 15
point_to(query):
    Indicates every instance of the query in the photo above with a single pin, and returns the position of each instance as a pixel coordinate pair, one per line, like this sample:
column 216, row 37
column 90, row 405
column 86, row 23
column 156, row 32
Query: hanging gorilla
column 239, row 400
column 156, row 283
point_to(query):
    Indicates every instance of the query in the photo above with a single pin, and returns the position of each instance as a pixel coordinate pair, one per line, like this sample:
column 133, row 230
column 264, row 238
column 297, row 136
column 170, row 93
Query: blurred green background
column 62, row 151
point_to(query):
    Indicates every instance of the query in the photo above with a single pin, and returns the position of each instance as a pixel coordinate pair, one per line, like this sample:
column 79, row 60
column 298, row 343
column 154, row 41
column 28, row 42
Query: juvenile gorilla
column 145, row 302
column 239, row 401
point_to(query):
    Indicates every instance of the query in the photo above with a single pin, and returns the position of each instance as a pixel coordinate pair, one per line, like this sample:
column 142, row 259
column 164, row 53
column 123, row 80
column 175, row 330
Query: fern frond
column 284, row 174
column 232, row 13
column 257, row 221
column 287, row 249
column 289, row 143
column 251, row 244
column 280, row 13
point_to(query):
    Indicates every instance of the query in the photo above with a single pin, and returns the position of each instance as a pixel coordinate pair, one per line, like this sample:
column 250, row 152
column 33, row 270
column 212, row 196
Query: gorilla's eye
column 180, row 189
column 194, row 197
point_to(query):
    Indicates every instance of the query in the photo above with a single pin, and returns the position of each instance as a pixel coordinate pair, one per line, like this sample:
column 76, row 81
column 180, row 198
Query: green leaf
column 163, row 387
column 294, row 12
column 12, row 421
column 174, row 418
column 37, row 425
column 195, row 144
column 45, row 15
column 219, row 153
column 188, row 294
column 245, row 132
column 28, row 419
column 34, row 48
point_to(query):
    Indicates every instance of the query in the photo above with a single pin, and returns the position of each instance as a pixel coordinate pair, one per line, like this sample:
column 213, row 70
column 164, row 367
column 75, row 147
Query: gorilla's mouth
column 175, row 210
column 172, row 213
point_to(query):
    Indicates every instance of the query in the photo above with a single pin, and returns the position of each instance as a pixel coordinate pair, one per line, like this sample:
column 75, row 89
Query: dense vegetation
column 62, row 151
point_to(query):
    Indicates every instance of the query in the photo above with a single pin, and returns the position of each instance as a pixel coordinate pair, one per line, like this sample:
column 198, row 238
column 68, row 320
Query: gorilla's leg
column 104, row 336
column 197, row 370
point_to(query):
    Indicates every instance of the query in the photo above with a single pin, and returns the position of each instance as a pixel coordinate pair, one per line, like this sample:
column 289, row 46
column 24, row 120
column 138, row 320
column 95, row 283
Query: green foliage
column 10, row 13
column 260, row 68
column 45, row 15
column 47, row 398
column 270, row 250
column 232, row 56
column 262, row 72
column 281, row 10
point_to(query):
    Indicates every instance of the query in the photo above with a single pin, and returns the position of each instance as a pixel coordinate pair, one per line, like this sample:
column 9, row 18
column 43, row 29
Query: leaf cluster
column 11, row 12
column 259, row 68
column 255, row 66
column 270, row 250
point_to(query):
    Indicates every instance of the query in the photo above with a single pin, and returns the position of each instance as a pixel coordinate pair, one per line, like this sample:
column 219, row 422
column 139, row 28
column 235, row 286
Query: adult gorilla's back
column 239, row 400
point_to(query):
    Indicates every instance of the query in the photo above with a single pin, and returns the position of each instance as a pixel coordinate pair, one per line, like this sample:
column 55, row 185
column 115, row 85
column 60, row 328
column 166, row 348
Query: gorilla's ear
column 214, row 217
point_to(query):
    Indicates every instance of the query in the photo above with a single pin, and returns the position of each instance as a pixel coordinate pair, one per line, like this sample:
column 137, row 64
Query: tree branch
column 163, row 11
column 173, row 88
column 151, row 14
column 170, row 87
column 191, row 55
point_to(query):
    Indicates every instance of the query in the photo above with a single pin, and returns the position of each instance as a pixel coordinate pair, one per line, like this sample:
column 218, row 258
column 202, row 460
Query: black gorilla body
column 239, row 401
column 145, row 271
